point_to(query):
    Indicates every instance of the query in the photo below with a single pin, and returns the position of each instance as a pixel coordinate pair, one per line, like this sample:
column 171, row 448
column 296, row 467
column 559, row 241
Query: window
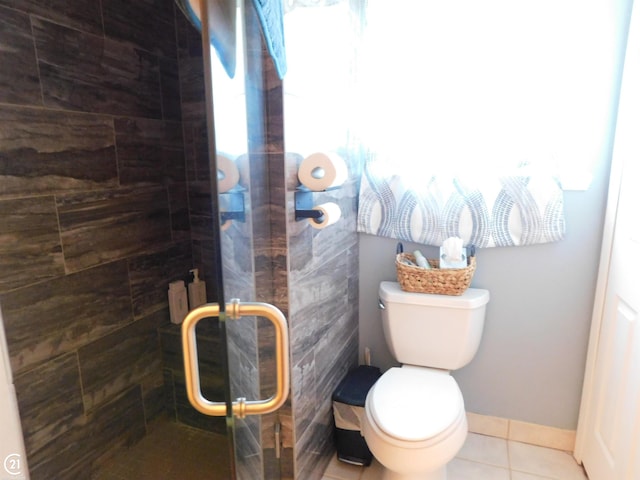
column 450, row 98
column 472, row 85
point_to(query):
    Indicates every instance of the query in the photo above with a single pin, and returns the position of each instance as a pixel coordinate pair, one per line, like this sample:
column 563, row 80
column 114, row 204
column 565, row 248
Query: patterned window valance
column 490, row 211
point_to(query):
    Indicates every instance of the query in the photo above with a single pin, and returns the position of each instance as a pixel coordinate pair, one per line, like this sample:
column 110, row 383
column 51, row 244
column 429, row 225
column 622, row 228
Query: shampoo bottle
column 178, row 306
column 197, row 290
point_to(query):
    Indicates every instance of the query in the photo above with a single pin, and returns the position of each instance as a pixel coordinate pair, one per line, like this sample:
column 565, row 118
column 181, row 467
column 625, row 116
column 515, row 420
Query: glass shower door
column 252, row 339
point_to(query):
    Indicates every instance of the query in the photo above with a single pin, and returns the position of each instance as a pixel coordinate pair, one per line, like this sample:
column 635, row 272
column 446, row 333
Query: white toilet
column 414, row 421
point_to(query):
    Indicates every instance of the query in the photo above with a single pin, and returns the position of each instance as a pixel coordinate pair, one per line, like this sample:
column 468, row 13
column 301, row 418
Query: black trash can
column 348, row 409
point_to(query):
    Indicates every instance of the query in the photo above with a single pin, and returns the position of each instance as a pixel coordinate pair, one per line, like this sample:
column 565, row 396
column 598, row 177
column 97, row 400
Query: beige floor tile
column 373, row 472
column 526, row 476
column 545, row 462
column 459, row 469
column 342, row 471
column 484, row 449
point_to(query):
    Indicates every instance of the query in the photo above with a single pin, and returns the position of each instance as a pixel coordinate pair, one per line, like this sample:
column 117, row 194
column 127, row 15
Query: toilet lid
column 415, row 404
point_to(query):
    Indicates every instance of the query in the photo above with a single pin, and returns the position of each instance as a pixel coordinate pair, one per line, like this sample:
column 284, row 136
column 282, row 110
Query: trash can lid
column 354, row 387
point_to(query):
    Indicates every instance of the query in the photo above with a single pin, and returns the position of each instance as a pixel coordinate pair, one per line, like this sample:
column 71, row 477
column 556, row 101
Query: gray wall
column 530, row 364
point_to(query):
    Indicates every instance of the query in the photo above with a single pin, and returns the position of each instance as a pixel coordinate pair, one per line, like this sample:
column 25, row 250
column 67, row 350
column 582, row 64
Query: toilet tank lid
column 471, row 298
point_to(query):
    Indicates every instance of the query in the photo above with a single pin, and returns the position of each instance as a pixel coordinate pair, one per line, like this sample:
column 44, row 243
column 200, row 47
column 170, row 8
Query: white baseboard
column 524, row 432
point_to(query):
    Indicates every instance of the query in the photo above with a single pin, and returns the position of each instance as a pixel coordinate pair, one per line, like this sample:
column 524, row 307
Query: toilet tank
column 438, row 331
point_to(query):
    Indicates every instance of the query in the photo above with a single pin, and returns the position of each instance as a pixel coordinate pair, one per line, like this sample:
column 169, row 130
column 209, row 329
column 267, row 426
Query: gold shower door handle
column 235, row 310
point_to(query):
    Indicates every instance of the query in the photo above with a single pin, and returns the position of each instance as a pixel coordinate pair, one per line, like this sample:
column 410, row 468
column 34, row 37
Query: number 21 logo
column 12, row 464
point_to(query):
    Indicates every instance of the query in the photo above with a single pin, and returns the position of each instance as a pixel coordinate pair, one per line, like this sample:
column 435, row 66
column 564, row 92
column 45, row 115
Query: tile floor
column 171, row 451
column 485, row 458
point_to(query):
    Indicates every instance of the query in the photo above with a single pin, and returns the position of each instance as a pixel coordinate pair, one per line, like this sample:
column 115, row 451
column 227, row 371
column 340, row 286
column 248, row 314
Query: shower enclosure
column 265, row 255
column 106, row 198
column 234, row 86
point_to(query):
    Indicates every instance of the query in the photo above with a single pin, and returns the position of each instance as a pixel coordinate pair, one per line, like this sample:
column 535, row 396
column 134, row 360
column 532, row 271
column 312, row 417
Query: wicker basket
column 446, row 281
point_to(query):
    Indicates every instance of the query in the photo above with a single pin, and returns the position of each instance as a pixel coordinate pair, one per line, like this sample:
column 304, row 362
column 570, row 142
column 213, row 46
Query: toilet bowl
column 414, row 422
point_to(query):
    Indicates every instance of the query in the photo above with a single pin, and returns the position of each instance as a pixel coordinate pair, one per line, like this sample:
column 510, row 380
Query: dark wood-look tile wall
column 150, row 274
column 30, row 247
column 46, row 151
column 104, row 170
column 48, row 319
column 179, row 209
column 170, row 89
column 323, row 292
column 309, row 274
column 323, row 315
column 94, row 219
column 19, row 84
column 149, row 151
column 211, row 374
column 54, row 405
column 102, row 226
column 194, row 127
column 324, row 329
column 79, row 14
column 91, row 73
column 143, row 24
column 124, row 358
column 73, row 454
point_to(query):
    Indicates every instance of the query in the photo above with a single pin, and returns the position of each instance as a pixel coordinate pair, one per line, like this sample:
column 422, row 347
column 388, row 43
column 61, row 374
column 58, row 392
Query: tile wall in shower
column 99, row 163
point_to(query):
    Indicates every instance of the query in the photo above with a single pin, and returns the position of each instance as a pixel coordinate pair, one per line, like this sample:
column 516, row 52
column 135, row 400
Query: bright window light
column 477, row 86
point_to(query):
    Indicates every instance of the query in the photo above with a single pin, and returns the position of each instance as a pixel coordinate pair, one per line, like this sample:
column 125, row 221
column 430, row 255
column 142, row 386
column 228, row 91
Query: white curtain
column 476, row 114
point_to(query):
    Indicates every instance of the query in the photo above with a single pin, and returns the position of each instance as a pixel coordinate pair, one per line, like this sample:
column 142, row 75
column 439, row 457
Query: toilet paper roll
column 228, row 174
column 321, row 171
column 330, row 215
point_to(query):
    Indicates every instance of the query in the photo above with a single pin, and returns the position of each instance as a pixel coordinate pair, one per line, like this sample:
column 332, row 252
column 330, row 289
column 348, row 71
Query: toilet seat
column 416, row 404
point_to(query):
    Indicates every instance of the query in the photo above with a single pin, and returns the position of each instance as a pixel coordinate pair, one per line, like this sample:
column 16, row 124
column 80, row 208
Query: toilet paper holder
column 232, row 205
column 304, row 205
